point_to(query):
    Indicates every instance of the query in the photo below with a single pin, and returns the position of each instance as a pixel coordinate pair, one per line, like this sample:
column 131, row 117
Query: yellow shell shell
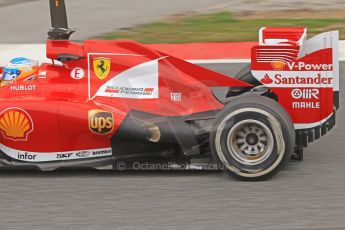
column 15, row 124
column 278, row 65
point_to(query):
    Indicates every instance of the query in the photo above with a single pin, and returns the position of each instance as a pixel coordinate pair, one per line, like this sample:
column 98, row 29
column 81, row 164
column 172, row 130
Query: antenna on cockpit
column 59, row 22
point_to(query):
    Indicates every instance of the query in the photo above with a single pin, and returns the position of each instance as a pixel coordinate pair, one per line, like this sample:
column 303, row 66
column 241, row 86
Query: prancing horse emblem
column 101, row 67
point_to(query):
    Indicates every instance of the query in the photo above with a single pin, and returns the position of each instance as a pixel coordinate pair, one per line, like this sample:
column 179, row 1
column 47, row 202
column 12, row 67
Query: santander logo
column 266, row 80
column 298, row 80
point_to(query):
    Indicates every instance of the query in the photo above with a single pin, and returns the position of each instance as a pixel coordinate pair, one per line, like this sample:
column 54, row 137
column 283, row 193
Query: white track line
column 220, row 61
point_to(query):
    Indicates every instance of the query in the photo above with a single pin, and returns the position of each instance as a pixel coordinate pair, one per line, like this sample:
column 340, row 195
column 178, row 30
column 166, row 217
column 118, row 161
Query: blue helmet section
column 21, row 61
column 16, row 67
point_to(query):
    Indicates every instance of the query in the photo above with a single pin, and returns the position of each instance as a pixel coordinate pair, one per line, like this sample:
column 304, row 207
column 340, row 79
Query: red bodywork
column 58, row 103
column 82, row 105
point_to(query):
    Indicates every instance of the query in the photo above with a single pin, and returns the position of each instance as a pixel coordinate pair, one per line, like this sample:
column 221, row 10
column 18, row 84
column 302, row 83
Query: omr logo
column 100, row 121
column 305, row 93
column 266, row 80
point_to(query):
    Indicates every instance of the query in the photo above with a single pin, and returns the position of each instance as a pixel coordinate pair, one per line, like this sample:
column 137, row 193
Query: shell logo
column 277, row 65
column 15, row 124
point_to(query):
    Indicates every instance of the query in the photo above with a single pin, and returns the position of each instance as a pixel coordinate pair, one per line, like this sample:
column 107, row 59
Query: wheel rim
column 278, row 136
column 250, row 142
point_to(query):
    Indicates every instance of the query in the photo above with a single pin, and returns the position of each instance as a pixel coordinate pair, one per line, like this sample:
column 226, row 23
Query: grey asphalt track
column 306, row 195
column 29, row 21
column 13, row 2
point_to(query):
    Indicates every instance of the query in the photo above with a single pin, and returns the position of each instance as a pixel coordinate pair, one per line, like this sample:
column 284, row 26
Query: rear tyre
column 252, row 137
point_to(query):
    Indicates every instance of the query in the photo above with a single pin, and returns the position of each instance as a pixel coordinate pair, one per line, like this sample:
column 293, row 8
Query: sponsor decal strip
column 306, row 98
column 106, row 62
column 23, row 87
column 137, row 82
column 54, row 156
column 291, row 79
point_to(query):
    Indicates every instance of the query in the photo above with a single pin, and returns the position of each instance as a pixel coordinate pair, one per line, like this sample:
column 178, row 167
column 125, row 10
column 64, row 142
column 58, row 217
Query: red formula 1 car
column 104, row 102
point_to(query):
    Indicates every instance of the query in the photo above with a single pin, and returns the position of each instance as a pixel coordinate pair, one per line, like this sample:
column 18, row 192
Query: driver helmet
column 19, row 69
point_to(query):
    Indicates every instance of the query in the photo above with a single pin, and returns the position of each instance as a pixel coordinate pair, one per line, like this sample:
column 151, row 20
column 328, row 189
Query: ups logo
column 100, row 121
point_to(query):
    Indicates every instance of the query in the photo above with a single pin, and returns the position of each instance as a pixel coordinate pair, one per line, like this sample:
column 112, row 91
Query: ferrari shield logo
column 101, row 67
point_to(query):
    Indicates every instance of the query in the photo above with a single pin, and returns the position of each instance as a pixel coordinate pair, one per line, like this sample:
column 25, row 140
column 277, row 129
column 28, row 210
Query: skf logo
column 277, row 65
column 101, row 67
column 100, row 121
column 266, row 80
column 15, row 124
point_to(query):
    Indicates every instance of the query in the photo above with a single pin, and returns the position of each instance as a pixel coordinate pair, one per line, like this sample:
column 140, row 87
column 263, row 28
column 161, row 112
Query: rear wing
column 303, row 73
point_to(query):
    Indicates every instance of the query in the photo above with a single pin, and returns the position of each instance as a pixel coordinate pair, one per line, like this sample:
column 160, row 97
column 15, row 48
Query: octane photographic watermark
column 168, row 166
